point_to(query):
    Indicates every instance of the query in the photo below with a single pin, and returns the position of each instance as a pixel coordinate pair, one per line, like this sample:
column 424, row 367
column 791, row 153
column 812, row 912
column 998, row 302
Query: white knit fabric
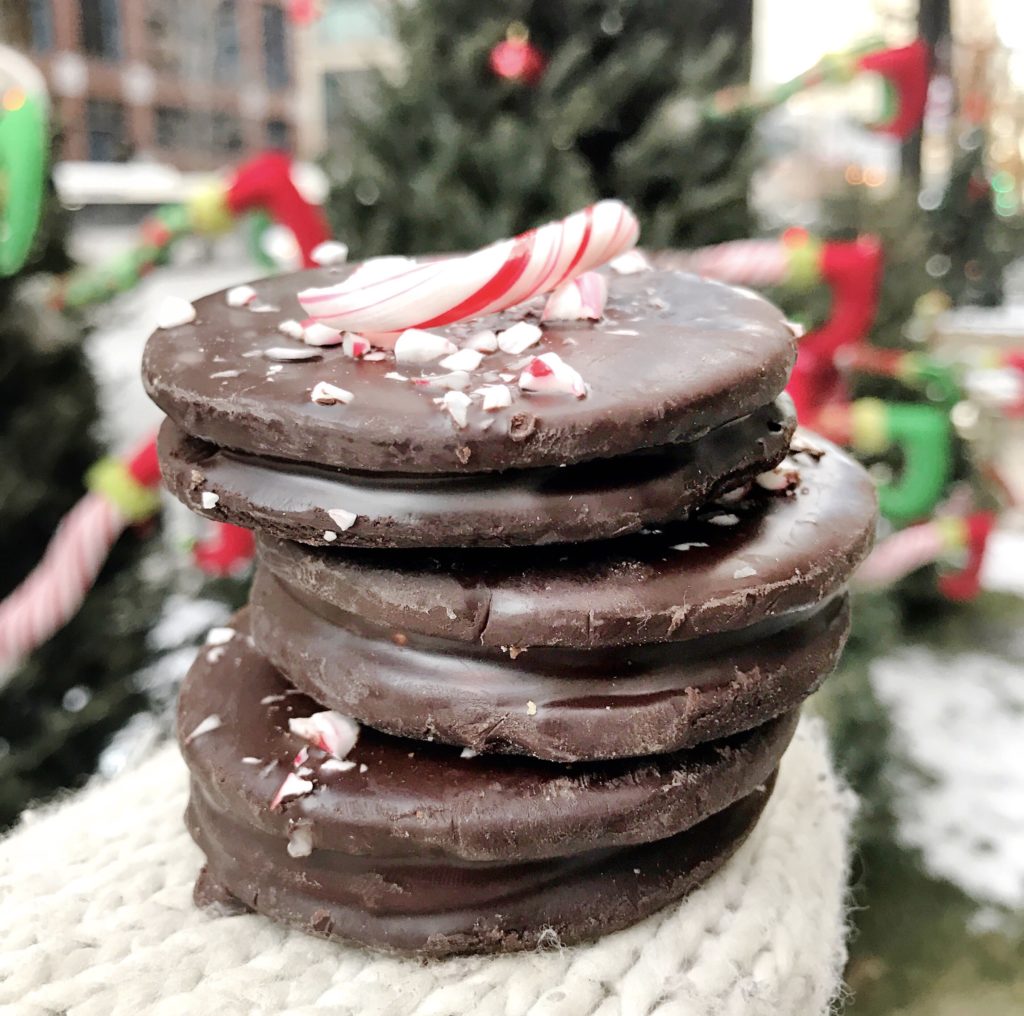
column 96, row 919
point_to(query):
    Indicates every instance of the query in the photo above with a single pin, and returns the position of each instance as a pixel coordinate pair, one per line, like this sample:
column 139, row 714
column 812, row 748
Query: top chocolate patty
column 673, row 357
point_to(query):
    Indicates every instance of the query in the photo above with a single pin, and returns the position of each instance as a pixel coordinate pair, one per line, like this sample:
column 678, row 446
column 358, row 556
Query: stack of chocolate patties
column 574, row 632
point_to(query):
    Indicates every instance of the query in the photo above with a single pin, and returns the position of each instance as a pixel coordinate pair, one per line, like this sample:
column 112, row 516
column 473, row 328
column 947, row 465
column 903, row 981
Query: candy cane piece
column 492, row 279
column 740, row 262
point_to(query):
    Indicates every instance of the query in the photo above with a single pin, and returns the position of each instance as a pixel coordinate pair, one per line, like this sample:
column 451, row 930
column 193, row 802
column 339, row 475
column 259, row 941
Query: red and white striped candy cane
column 492, row 279
column 53, row 592
column 902, row 553
column 740, row 262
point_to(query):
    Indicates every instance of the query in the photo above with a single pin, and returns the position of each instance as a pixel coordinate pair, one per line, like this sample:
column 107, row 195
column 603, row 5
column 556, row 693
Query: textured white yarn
column 96, row 919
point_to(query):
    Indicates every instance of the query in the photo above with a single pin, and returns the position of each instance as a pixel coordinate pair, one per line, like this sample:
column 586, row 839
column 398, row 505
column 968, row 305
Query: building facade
column 193, row 83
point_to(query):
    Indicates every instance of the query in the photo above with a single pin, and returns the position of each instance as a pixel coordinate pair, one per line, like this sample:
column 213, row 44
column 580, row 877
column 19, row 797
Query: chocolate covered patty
column 415, row 847
column 673, row 361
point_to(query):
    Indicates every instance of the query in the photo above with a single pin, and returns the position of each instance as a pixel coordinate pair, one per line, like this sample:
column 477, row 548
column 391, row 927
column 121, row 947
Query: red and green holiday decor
column 904, row 71
column 24, row 148
column 263, row 185
column 304, row 12
column 515, row 58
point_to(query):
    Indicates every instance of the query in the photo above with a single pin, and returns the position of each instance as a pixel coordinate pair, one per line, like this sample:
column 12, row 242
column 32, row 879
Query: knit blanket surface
column 96, row 919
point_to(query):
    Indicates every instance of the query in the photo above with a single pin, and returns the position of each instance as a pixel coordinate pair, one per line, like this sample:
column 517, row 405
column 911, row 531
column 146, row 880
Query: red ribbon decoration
column 907, row 69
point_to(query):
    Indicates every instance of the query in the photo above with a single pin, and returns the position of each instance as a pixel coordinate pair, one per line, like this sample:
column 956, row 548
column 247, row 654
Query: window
column 40, row 22
column 278, row 134
column 225, row 42
column 101, row 28
column 163, row 39
column 275, row 47
column 170, row 127
column 105, row 126
column 227, row 133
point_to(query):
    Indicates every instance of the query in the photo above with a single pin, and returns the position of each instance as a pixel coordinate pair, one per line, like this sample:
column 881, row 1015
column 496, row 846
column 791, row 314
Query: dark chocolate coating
column 673, row 357
column 442, row 909
column 787, row 552
column 422, row 801
column 590, row 704
column 585, row 501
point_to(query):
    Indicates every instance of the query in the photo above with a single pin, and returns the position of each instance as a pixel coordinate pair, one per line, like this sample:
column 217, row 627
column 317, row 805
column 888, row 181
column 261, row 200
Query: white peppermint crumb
column 286, row 354
column 415, row 345
column 269, row 699
column 337, row 765
column 457, row 405
column 355, row 345
column 225, row 373
column 495, row 397
column 239, row 296
column 507, row 377
column 456, row 381
column 329, row 253
column 326, row 394
column 173, row 312
column 745, row 572
column 300, row 841
column 393, row 375
column 531, row 708
column 376, row 356
column 363, row 767
column 209, row 499
column 630, row 263
column 258, row 307
column 622, row 331
column 215, row 654
column 484, row 341
column 468, row 753
column 636, row 871
column 330, row 535
column 317, row 334
column 687, row 546
column 219, row 636
column 341, row 518
column 724, row 520
column 304, row 771
column 292, row 328
column 275, row 369
column 464, row 359
column 519, row 337
column 211, row 723
column 293, row 786
column 779, row 478
column 251, row 760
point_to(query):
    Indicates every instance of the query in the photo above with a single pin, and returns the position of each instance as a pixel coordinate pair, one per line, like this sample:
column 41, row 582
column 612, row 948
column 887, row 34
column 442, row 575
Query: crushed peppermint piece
column 269, row 699
column 301, row 757
column 622, row 331
column 519, row 338
column 225, row 373
column 300, row 840
column 329, row 253
column 507, row 377
column 550, row 373
column 342, row 518
column 393, row 375
column 376, row 356
column 287, row 353
column 292, row 328
column 355, row 345
column 457, row 405
column 208, row 499
column 293, row 786
column 251, row 760
column 687, row 546
column 495, row 396
column 456, row 381
column 745, row 572
column 363, row 767
column 484, row 341
column 464, row 359
column 326, row 394
column 330, row 535
column 211, row 723
column 630, row 263
column 173, row 312
column 258, row 307
column 780, row 478
column 468, row 753
column 239, row 296
column 275, row 369
column 219, row 636
column 337, row 765
column 415, row 345
column 724, row 520
column 798, row 330
column 580, row 299
column 215, row 654
column 531, row 708
column 329, row 731
column 315, row 333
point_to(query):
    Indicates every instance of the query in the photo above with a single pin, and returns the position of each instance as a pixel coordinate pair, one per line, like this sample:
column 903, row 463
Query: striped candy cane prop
column 120, row 493
column 492, row 279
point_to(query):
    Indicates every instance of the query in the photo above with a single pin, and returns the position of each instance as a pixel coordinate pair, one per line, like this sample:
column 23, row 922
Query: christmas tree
column 481, row 138
column 59, row 707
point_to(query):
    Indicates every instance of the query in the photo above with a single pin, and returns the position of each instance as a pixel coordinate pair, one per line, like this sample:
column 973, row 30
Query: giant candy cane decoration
column 492, row 279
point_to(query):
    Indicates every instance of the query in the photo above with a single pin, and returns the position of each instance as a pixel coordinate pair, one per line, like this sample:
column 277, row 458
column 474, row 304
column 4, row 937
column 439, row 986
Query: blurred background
column 862, row 163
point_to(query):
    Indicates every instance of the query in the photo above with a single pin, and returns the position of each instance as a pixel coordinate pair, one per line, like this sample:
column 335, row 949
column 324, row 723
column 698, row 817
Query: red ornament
column 516, row 58
column 228, row 551
column 304, row 12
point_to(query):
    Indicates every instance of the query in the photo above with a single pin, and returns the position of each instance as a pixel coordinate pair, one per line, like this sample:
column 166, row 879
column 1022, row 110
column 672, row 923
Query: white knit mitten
column 96, row 919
